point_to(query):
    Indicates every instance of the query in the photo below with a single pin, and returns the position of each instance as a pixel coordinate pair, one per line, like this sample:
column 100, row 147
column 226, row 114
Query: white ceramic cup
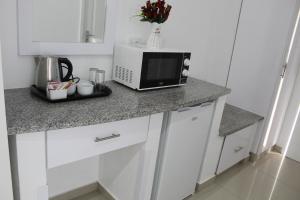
column 85, row 88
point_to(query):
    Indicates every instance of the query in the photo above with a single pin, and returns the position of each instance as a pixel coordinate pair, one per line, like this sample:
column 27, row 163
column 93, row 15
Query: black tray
column 99, row 91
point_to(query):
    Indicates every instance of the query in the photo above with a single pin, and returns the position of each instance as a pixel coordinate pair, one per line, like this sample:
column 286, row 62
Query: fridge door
column 183, row 152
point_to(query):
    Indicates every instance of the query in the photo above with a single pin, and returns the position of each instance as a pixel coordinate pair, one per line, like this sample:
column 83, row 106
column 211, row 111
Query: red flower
column 155, row 11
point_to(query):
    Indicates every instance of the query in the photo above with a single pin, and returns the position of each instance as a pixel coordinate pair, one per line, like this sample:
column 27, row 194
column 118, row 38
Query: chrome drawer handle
column 107, row 138
column 202, row 105
column 207, row 104
column 238, row 149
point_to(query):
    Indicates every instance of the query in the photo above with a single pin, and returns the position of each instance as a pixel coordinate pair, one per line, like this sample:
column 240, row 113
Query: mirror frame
column 28, row 47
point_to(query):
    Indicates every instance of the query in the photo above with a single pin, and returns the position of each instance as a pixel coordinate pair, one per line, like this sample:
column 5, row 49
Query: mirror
column 66, row 27
column 68, row 21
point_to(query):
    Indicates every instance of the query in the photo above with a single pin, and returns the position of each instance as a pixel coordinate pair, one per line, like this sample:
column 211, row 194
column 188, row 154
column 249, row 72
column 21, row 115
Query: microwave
column 146, row 69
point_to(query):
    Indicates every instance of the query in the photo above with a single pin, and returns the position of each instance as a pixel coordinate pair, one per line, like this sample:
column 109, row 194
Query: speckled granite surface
column 235, row 119
column 27, row 113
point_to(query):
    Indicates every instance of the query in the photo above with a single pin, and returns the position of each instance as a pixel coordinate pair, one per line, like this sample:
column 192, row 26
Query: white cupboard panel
column 236, row 148
column 28, row 155
column 214, row 144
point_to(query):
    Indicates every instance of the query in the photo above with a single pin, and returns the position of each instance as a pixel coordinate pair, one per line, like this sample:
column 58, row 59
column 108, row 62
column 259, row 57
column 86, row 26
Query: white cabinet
column 182, row 152
column 69, row 145
column 236, row 148
column 67, row 150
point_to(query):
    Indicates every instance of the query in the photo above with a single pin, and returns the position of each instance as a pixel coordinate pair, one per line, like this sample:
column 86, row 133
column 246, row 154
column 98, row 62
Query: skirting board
column 199, row 187
column 277, row 149
column 83, row 191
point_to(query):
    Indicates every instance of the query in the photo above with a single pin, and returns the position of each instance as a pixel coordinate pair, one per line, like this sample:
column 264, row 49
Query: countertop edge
column 227, row 133
column 13, row 131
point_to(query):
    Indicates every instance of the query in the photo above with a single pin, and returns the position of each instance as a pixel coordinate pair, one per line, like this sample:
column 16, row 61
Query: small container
column 85, row 88
column 100, row 77
column 72, row 89
column 92, row 74
column 57, row 94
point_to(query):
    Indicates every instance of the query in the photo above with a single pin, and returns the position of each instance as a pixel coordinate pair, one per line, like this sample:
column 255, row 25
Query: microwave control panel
column 185, row 67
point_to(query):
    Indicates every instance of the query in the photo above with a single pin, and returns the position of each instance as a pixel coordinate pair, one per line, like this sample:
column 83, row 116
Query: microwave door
column 161, row 69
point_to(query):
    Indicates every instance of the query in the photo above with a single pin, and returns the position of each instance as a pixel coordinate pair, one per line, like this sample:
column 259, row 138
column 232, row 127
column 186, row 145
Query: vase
column 154, row 39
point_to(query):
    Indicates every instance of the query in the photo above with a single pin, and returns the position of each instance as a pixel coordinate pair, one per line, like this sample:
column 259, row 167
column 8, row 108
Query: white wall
column 5, row 174
column 205, row 27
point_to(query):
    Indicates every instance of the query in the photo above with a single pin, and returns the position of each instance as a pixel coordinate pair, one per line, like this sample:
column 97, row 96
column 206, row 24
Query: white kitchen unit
column 113, row 144
column 236, row 147
column 50, row 160
column 182, row 151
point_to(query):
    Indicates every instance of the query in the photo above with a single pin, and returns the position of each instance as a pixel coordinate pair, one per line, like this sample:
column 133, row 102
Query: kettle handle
column 69, row 67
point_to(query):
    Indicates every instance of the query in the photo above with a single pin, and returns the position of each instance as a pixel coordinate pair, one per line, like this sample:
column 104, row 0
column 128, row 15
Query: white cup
column 85, row 88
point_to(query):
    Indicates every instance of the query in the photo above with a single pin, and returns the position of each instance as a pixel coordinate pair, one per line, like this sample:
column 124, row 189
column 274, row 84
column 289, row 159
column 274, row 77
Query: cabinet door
column 184, row 148
column 236, row 148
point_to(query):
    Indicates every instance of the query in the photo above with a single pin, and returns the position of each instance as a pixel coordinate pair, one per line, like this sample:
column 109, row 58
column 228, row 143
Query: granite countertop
column 235, row 119
column 27, row 113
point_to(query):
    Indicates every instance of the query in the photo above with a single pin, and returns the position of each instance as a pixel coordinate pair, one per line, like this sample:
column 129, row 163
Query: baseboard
column 105, row 192
column 77, row 192
column 255, row 157
column 199, row 186
column 82, row 191
column 277, row 149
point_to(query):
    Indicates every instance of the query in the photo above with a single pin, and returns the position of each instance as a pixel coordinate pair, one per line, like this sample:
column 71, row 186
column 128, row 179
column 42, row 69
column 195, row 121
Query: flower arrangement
column 155, row 12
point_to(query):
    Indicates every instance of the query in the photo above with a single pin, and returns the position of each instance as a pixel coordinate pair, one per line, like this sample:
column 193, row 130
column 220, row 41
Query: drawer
column 69, row 145
column 236, row 148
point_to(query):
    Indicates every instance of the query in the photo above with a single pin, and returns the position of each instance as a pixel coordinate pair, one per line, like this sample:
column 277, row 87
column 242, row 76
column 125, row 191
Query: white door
column 5, row 175
column 291, row 127
column 294, row 148
column 263, row 35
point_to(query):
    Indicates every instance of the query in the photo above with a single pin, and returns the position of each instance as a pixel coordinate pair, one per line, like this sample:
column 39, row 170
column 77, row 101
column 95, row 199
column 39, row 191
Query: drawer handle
column 238, row 149
column 207, row 104
column 202, row 105
column 183, row 109
column 107, row 138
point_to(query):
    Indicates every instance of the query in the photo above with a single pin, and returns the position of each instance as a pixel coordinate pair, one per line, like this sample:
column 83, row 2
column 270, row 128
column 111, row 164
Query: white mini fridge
column 181, row 152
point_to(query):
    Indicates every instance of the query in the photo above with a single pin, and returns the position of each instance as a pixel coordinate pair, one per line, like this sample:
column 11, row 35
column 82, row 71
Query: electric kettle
column 50, row 68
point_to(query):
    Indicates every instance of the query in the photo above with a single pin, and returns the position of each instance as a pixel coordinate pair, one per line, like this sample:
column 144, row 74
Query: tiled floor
column 271, row 178
column 96, row 195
